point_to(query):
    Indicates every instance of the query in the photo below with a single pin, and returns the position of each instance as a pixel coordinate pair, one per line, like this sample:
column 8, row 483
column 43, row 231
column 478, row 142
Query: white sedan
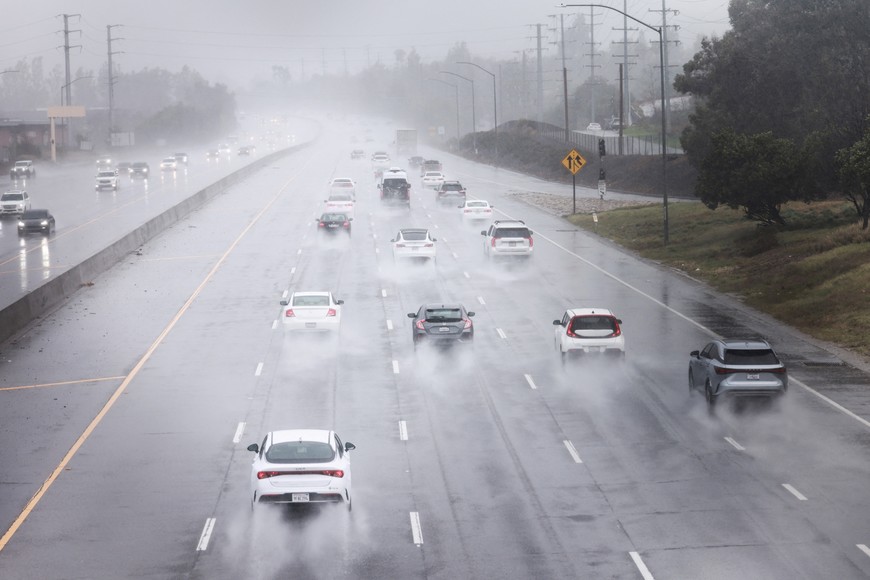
column 301, row 466
column 169, row 164
column 343, row 185
column 476, row 209
column 312, row 312
column 339, row 203
column 433, row 179
column 414, row 243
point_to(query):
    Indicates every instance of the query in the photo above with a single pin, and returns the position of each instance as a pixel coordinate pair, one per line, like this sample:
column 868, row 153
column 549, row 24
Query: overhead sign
column 66, row 112
column 573, row 162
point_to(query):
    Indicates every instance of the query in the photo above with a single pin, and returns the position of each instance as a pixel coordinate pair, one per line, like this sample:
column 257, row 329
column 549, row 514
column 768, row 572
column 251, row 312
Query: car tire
column 709, row 396
column 691, row 383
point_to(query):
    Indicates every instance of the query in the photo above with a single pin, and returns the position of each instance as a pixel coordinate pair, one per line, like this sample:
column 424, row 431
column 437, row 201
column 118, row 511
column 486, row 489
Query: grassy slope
column 813, row 274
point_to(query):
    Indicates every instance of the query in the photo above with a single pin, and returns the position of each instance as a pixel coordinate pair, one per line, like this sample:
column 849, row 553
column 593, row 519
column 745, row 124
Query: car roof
column 35, row 212
column 418, row 230
column 443, row 305
column 286, row 435
column 334, row 179
column 451, row 182
column 433, row 173
column 476, row 201
column 509, row 223
column 310, row 294
column 590, row 312
column 744, row 344
column 14, row 191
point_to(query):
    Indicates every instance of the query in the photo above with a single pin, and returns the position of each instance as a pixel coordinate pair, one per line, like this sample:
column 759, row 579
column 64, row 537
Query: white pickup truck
column 107, row 179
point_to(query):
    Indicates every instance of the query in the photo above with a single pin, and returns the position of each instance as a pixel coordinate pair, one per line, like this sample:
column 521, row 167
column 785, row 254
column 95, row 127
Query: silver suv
column 508, row 238
column 14, row 202
column 737, row 368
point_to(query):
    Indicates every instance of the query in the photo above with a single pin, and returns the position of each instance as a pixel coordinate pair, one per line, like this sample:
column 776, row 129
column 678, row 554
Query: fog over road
column 128, row 410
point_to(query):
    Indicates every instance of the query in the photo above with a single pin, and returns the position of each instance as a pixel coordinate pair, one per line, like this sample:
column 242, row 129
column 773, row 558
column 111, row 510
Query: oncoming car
column 442, row 324
column 169, row 164
column 737, row 368
column 301, row 466
column 312, row 312
column 414, row 243
column 14, row 202
column 586, row 331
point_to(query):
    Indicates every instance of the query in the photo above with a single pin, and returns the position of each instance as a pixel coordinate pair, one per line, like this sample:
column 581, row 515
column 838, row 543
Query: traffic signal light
column 601, row 150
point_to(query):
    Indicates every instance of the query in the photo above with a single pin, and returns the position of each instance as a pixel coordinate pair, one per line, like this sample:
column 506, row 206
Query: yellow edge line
column 31, row 505
column 76, row 382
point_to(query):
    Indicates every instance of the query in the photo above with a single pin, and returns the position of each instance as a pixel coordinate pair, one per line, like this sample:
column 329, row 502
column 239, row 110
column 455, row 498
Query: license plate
column 414, row 249
column 332, row 226
column 299, row 497
column 444, row 329
column 310, row 325
column 753, row 377
column 512, row 244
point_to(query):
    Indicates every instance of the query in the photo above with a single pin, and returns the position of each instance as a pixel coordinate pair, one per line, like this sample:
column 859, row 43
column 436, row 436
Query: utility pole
column 66, row 47
column 540, row 78
column 109, row 40
column 564, row 74
column 621, row 86
column 665, row 41
column 625, row 113
column 592, row 66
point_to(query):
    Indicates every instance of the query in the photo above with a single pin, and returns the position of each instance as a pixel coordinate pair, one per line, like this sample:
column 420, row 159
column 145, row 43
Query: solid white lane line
column 286, row 293
column 794, row 492
column 403, row 431
column 480, row 299
column 274, row 324
column 574, row 455
column 436, row 226
column 531, row 382
column 292, row 271
column 206, row 535
column 501, row 332
column 383, row 292
column 259, row 370
column 240, row 430
column 864, row 548
column 389, row 324
column 374, row 236
column 395, row 367
column 735, row 444
column 832, row 403
column 416, row 529
column 466, row 274
column 641, row 567
column 455, row 255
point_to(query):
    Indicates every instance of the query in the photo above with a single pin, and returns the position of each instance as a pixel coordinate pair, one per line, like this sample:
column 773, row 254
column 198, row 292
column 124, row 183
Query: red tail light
column 492, row 242
column 617, row 330
column 467, row 323
column 326, row 472
column 289, row 313
column 321, row 225
column 346, row 224
column 427, row 245
column 777, row 370
column 467, row 211
column 531, row 242
column 727, row 371
column 400, row 245
column 419, row 325
column 330, row 312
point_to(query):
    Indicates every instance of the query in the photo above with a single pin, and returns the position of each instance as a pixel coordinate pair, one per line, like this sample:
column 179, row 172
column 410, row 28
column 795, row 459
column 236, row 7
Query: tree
column 854, row 169
column 755, row 172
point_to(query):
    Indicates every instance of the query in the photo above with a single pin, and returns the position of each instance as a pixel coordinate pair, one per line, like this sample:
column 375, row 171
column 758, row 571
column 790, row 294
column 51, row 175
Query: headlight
column 20, row 224
column 43, row 223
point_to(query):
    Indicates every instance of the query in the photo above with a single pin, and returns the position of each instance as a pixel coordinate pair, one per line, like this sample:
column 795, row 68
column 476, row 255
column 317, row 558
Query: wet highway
column 126, row 413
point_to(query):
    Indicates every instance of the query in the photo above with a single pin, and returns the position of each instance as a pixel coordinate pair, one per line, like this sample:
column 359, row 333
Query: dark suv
column 139, row 170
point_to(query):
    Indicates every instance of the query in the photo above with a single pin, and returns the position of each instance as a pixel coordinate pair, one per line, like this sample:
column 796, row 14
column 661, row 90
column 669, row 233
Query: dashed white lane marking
column 395, row 367
column 641, row 567
column 286, row 293
column 240, row 430
column 292, row 270
column 383, row 292
column 259, row 370
column 443, row 239
column 531, row 382
column 501, row 332
column 794, row 492
column 377, row 251
column 274, row 324
column 206, row 535
column 374, row 236
column 466, row 274
column 435, row 226
column 403, row 431
column 299, row 252
column 864, row 548
column 416, row 529
column 574, row 455
column 735, row 444
column 389, row 324
column 455, row 255
column 480, row 299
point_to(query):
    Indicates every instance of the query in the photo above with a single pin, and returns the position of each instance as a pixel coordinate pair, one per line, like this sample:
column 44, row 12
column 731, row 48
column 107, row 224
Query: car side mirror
column 531, row 233
column 695, row 354
column 434, row 239
column 482, row 233
column 380, row 186
column 350, row 219
column 557, row 323
column 412, row 315
column 393, row 241
column 285, row 302
column 348, row 446
column 254, row 447
column 339, row 302
column 470, row 314
column 460, row 206
column 618, row 321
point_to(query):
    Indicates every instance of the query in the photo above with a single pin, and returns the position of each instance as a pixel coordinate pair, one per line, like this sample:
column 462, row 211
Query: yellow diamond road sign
column 573, row 162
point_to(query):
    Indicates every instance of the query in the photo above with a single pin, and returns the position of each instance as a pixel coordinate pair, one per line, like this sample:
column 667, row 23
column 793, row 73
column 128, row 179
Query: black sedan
column 333, row 223
column 36, row 220
column 442, row 324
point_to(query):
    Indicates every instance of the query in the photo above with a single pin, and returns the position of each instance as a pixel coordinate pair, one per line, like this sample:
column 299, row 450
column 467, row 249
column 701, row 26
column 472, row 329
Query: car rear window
column 443, row 315
column 581, row 324
column 311, row 301
column 413, row 236
column 340, row 197
column 333, row 217
column 511, row 233
column 762, row 356
column 300, row 452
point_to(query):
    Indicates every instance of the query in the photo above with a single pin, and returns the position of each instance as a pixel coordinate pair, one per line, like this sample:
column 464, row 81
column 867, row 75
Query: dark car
column 442, row 324
column 139, row 170
column 737, row 368
column 245, row 150
column 124, row 167
column 415, row 161
column 180, row 157
column 357, row 154
column 450, row 190
column 36, row 220
column 333, row 223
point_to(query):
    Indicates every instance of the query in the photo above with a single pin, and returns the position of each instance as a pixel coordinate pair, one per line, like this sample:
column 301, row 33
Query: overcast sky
column 235, row 41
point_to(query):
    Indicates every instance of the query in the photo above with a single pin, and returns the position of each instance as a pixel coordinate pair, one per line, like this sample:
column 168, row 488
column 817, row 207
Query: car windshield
column 311, row 301
column 12, row 197
column 340, row 197
column 35, row 214
column 443, row 315
column 760, row 356
column 300, row 452
column 106, row 174
column 22, row 163
column 414, row 235
column 585, row 324
column 511, row 233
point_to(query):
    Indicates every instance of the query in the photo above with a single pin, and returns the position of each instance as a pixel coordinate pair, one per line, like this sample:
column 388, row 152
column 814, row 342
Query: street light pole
column 63, row 131
column 473, row 115
column 494, row 107
column 456, row 90
column 664, row 108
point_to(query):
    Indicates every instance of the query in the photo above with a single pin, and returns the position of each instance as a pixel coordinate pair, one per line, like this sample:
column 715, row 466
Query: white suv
column 589, row 331
column 508, row 238
column 107, row 179
column 14, row 202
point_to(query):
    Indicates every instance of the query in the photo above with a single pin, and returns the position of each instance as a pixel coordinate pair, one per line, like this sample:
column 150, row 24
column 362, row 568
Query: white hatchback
column 414, row 243
column 312, row 312
column 589, row 331
column 476, row 209
column 343, row 185
column 301, row 466
column 339, row 203
column 433, row 179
